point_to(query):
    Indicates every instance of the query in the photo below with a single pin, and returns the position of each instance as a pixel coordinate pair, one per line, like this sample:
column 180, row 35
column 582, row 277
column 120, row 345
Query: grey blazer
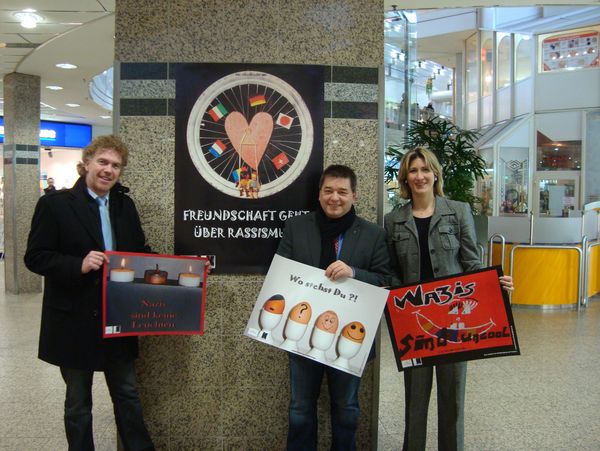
column 363, row 248
column 452, row 241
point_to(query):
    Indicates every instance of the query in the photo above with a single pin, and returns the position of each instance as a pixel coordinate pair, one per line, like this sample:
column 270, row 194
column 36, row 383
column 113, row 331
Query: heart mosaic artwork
column 249, row 140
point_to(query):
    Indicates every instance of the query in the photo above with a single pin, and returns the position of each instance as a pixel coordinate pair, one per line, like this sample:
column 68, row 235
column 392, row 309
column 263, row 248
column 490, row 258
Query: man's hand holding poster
column 464, row 317
column 302, row 311
column 152, row 294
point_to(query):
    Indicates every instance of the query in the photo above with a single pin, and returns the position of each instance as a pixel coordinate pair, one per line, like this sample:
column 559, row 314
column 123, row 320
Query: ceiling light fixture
column 105, row 117
column 66, row 66
column 54, row 88
column 72, row 105
column 28, row 18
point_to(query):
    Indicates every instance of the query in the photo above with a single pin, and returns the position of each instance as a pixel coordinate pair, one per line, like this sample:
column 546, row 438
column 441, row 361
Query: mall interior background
column 482, row 69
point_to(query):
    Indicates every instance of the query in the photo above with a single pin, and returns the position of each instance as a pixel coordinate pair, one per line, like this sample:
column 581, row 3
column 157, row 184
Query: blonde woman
column 431, row 236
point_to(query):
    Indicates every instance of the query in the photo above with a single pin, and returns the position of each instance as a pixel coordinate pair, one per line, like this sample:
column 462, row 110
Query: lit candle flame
column 122, row 263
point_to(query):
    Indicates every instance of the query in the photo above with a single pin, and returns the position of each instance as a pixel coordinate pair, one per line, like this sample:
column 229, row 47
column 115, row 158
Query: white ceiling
column 80, row 32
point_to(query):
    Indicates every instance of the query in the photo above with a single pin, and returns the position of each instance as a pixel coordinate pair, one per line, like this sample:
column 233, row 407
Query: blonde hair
column 430, row 161
column 103, row 142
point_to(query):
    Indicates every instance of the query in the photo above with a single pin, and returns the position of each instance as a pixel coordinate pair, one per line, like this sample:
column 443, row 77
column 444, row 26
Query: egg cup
column 293, row 333
column 321, row 341
column 268, row 321
column 346, row 349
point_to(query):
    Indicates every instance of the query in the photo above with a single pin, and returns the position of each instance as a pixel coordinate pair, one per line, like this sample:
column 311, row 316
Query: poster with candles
column 333, row 322
column 152, row 294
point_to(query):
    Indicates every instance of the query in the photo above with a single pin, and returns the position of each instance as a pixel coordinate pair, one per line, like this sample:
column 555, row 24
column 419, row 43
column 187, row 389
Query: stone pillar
column 222, row 390
column 21, row 176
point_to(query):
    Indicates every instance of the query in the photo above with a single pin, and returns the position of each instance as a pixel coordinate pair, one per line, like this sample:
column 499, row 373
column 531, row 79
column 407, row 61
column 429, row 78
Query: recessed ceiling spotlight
column 66, row 66
column 28, row 18
column 72, row 105
column 54, row 88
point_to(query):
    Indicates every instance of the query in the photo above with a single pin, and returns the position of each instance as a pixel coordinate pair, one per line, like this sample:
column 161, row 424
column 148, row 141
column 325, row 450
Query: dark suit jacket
column 64, row 229
column 363, row 248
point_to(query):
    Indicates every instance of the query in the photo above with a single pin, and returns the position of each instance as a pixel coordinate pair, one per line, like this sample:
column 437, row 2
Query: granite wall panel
column 21, row 109
column 222, row 390
column 21, row 176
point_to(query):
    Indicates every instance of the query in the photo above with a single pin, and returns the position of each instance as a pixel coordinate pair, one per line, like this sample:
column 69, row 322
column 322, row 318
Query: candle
column 155, row 276
column 189, row 279
column 122, row 274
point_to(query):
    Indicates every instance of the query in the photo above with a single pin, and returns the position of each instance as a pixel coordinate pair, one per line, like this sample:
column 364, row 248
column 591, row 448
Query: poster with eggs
column 152, row 294
column 333, row 322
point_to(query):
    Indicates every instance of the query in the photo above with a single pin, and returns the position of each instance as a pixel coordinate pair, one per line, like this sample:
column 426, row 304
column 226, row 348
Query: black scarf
column 331, row 229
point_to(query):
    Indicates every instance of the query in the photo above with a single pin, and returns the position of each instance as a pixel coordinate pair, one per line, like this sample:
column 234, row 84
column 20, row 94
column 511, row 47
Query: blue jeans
column 120, row 379
column 305, row 384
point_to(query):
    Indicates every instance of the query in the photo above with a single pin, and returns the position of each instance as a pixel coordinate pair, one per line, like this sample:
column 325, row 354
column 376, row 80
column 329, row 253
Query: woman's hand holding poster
column 464, row 317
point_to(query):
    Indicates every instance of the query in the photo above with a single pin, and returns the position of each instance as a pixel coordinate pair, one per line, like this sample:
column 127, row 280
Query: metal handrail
column 587, row 265
column 549, row 246
column 481, row 253
column 531, row 218
column 491, row 248
column 584, row 269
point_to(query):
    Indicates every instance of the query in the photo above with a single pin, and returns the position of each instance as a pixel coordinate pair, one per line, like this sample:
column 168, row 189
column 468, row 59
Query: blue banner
column 59, row 134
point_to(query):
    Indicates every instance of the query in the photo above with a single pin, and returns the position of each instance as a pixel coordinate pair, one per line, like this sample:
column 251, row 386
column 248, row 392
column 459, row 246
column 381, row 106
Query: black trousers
column 451, row 381
column 120, row 379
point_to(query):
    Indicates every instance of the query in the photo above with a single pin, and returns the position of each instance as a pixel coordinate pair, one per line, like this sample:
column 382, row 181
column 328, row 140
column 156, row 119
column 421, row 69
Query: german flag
column 257, row 100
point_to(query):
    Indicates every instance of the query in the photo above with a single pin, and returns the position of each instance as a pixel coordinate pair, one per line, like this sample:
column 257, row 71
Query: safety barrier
column 582, row 273
column 491, row 249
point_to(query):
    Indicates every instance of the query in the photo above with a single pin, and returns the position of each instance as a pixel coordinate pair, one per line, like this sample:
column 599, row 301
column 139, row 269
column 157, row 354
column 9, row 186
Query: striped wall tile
column 148, row 89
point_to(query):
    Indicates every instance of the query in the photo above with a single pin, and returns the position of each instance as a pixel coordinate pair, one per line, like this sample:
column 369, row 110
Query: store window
column 487, row 54
column 523, row 52
column 487, row 78
column 558, row 194
column 472, row 82
column 557, row 155
column 592, row 157
column 399, row 50
column 503, row 77
column 60, row 164
column 403, row 73
column 514, row 179
column 558, row 163
column 485, row 185
column 503, row 66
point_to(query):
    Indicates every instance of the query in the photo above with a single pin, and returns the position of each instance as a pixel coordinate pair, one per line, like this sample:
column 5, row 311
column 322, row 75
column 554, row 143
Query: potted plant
column 454, row 148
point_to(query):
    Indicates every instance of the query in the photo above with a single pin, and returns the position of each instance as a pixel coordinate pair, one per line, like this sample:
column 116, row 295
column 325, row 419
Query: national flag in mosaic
column 284, row 120
column 257, row 100
column 217, row 148
column 236, row 175
column 280, row 160
column 217, row 112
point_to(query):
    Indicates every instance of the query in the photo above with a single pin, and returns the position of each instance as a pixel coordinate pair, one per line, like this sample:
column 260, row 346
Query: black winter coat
column 64, row 229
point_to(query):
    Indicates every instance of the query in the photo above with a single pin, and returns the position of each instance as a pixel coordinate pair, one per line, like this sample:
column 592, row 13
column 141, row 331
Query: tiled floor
column 31, row 391
column 546, row 399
